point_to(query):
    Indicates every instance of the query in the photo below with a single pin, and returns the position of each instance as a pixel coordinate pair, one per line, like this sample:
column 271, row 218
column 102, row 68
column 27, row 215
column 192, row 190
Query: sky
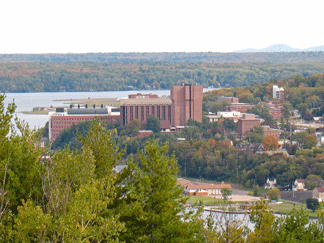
column 77, row 26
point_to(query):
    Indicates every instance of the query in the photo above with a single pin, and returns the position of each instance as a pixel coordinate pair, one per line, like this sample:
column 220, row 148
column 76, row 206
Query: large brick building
column 185, row 104
column 66, row 117
column 142, row 108
column 246, row 123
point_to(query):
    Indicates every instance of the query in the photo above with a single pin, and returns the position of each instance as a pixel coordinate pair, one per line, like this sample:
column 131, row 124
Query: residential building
column 66, row 117
column 318, row 193
column 267, row 131
column 299, row 185
column 278, row 93
column 270, row 183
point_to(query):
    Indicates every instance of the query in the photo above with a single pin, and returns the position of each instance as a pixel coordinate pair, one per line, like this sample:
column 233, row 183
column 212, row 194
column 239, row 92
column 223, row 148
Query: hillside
column 53, row 77
column 312, row 55
column 284, row 48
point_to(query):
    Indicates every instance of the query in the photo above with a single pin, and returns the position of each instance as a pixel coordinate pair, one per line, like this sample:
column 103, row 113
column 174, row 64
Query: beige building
column 202, row 189
column 318, row 193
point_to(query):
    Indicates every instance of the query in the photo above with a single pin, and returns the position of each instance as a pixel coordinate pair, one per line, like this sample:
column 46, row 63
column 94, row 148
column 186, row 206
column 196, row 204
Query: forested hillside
column 195, row 57
column 51, row 77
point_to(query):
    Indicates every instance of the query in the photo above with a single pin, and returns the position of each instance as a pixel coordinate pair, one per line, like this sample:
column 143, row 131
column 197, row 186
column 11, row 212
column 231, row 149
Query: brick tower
column 186, row 104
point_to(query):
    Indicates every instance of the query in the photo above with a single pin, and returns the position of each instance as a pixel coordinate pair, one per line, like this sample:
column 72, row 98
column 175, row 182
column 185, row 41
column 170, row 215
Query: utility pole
column 185, row 169
column 199, row 174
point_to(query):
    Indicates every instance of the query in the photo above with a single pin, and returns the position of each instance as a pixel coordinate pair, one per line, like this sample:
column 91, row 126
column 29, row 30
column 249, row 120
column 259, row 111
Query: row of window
column 148, row 113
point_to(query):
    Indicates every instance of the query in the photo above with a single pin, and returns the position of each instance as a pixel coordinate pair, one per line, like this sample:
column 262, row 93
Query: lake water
column 27, row 101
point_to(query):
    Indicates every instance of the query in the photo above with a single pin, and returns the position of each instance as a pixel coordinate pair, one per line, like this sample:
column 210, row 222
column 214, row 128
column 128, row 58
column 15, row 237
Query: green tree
column 133, row 128
column 312, row 204
column 309, row 141
column 256, row 136
column 225, row 194
column 151, row 206
column 312, row 181
column 153, row 124
column 273, row 194
column 264, row 220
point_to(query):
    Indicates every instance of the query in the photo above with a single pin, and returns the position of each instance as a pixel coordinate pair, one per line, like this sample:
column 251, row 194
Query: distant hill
column 312, row 55
column 283, row 48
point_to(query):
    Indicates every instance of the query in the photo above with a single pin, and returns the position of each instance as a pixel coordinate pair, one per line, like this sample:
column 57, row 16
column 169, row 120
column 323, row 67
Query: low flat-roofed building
column 241, row 107
column 141, row 109
column 65, row 117
column 229, row 99
column 232, row 115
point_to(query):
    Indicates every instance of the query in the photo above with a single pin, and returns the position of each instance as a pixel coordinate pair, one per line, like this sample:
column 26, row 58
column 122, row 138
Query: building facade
column 278, row 93
column 246, row 123
column 186, row 104
column 141, row 109
column 65, row 117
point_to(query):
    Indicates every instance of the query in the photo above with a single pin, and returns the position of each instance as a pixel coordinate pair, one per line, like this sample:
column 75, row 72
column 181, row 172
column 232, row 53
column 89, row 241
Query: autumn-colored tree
column 270, row 143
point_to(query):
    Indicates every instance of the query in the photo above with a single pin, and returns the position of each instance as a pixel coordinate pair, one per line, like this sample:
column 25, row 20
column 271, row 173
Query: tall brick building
column 186, row 104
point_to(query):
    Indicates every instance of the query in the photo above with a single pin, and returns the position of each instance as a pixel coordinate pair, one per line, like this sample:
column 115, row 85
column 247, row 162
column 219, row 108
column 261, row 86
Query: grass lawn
column 287, row 207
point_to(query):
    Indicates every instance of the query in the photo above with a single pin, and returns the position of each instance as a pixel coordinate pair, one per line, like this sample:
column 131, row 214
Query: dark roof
column 87, row 111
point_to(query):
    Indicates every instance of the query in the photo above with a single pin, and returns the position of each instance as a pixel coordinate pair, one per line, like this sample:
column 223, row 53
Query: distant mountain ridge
column 283, row 48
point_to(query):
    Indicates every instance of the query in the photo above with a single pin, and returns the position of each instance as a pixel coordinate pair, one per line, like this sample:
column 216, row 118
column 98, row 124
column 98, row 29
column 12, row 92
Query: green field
column 284, row 208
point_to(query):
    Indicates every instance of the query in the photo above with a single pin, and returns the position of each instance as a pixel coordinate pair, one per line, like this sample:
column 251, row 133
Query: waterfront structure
column 63, row 118
column 202, row 189
column 246, row 123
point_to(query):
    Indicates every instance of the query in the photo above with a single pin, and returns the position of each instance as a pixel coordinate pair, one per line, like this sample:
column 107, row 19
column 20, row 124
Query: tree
column 153, row 124
column 151, row 206
column 309, row 141
column 264, row 219
column 133, row 128
column 287, row 111
column 312, row 203
column 256, row 135
column 225, row 194
column 270, row 143
column 312, row 181
column 273, row 194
